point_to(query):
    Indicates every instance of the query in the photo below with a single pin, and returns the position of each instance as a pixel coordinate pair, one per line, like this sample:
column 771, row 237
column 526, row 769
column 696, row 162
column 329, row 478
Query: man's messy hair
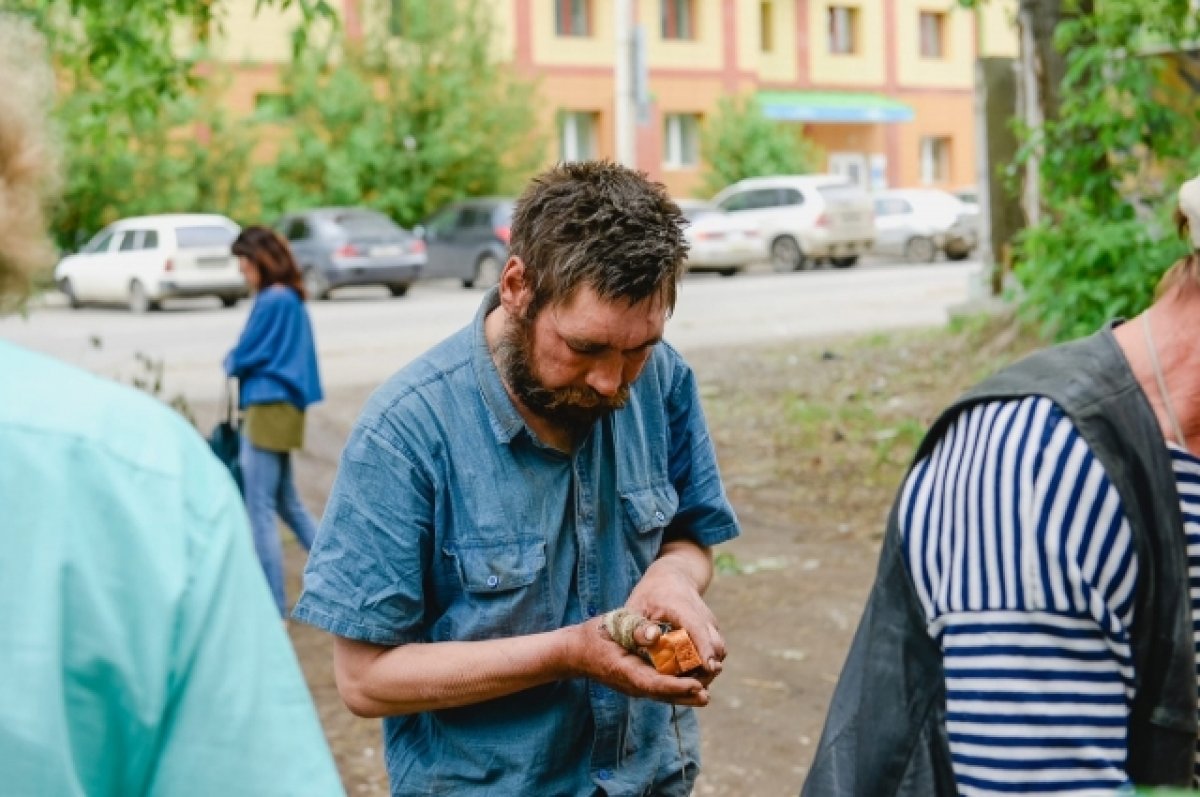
column 29, row 156
column 601, row 225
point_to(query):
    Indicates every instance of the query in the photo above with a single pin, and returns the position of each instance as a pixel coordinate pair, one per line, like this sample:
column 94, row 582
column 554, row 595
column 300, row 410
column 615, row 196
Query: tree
column 1108, row 142
column 1109, row 162
column 406, row 124
column 131, row 105
column 739, row 142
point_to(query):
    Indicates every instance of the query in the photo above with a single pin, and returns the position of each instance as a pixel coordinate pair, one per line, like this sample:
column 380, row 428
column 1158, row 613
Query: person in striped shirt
column 1028, row 575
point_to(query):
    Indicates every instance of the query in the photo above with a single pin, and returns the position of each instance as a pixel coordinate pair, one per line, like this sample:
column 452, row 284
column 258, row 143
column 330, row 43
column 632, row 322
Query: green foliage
column 739, row 142
column 406, row 125
column 1109, row 167
column 139, row 125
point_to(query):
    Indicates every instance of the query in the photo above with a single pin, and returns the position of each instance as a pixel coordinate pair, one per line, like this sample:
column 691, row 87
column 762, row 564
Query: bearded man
column 545, row 465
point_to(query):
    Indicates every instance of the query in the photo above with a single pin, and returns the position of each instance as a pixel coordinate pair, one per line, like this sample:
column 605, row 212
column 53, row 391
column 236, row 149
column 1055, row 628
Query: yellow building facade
column 884, row 87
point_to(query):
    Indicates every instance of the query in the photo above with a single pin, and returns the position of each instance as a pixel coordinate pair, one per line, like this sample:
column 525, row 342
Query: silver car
column 336, row 247
column 919, row 223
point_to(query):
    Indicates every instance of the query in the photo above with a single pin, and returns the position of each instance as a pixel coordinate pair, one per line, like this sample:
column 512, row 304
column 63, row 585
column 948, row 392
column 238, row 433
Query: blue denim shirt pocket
column 648, row 512
column 504, row 585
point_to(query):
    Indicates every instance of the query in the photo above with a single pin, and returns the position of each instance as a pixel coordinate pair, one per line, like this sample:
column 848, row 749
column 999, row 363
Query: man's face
column 574, row 362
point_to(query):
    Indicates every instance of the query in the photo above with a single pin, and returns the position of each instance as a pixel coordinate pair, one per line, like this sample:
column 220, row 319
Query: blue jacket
column 275, row 358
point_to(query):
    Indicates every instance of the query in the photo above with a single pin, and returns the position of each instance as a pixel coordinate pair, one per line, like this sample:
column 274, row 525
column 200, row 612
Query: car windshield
column 204, row 236
column 364, row 225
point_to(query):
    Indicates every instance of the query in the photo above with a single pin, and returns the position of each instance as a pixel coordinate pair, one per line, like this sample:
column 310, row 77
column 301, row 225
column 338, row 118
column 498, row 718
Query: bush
column 739, row 142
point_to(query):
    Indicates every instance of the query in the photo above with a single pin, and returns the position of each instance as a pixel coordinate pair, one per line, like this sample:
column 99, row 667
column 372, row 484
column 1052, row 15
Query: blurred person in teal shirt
column 140, row 650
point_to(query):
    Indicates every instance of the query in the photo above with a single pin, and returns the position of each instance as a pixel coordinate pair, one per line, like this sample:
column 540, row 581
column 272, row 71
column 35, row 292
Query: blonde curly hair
column 29, row 155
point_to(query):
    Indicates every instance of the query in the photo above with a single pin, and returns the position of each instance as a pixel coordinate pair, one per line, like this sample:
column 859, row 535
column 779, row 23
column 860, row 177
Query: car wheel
column 727, row 272
column 920, row 250
column 228, row 301
column 68, row 290
column 139, row 302
column 957, row 253
column 844, row 262
column 315, row 283
column 398, row 290
column 786, row 254
column 487, row 271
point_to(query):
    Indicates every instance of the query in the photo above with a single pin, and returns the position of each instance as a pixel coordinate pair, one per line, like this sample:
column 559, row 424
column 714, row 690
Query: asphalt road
column 364, row 335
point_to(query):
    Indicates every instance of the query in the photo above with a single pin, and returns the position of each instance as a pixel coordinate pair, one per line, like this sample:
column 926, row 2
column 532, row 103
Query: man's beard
column 572, row 409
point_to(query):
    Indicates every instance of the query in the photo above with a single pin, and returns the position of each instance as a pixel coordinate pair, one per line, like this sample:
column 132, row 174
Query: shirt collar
column 505, row 420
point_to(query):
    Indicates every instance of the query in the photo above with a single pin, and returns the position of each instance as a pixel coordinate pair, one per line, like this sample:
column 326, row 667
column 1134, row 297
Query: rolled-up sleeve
column 705, row 514
column 365, row 573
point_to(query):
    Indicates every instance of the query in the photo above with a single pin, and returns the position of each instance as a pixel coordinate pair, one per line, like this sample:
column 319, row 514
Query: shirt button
column 493, row 580
column 591, row 610
column 604, row 774
column 659, row 516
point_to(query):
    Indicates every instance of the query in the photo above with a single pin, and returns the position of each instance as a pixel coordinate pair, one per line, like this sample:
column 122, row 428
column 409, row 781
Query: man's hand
column 671, row 590
column 595, row 655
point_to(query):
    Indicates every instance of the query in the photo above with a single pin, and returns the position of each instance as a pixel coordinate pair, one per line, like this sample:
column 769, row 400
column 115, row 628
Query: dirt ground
column 813, row 438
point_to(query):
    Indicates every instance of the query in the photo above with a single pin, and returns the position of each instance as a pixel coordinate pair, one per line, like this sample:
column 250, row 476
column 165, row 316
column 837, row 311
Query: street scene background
column 889, row 199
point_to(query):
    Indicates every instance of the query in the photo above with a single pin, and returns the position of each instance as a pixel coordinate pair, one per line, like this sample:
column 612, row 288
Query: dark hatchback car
column 468, row 241
column 336, row 247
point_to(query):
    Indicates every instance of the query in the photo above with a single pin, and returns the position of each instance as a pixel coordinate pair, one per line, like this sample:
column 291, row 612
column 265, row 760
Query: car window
column 443, row 221
column 475, row 216
column 752, row 200
column 790, row 196
column 129, row 240
column 150, row 239
column 204, row 236
column 360, row 224
column 99, row 243
column 297, row 229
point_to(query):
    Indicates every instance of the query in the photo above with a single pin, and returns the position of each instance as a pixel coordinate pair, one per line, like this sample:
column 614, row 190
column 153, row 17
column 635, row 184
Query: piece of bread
column 674, row 654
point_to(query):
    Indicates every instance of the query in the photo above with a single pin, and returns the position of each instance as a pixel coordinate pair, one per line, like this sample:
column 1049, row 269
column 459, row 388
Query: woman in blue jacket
column 275, row 361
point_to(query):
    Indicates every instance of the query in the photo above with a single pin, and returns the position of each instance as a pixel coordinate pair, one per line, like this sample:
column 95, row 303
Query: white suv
column 141, row 261
column 805, row 218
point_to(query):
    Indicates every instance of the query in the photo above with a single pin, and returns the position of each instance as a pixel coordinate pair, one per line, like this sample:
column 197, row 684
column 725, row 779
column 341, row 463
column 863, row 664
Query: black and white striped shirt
column 1023, row 561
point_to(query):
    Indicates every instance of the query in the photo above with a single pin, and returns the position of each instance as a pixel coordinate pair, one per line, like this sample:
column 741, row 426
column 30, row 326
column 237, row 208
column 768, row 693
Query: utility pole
column 624, row 117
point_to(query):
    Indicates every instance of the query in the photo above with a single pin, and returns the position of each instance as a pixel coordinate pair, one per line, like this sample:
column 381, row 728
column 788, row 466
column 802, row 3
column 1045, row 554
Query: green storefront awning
column 832, row 106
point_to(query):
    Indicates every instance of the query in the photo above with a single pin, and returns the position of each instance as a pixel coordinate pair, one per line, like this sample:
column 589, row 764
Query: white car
column 804, row 218
column 141, row 261
column 719, row 241
column 917, row 223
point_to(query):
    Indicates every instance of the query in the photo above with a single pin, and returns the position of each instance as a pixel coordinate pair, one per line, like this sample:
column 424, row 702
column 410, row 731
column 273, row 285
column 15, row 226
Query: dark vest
column 886, row 730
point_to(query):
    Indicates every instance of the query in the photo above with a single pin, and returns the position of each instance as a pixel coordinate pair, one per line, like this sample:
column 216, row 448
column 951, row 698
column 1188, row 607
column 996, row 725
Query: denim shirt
column 449, row 520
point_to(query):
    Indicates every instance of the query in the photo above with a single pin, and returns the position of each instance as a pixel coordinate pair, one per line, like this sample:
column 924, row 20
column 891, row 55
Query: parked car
column 336, row 247
column 719, row 241
column 804, row 218
column 145, row 259
column 468, row 241
column 918, row 223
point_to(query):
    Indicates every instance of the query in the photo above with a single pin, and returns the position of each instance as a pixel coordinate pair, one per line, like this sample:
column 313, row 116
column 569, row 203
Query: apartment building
column 884, row 87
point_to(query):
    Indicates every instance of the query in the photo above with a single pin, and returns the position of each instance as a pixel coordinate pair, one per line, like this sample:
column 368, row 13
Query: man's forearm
column 695, row 561
column 377, row 681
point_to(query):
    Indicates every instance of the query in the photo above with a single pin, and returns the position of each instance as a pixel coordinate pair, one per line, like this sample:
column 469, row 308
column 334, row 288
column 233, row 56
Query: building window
column 576, row 135
column 843, row 30
column 396, row 14
column 933, row 34
column 681, row 140
column 766, row 26
column 935, row 160
column 678, row 20
column 573, row 17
